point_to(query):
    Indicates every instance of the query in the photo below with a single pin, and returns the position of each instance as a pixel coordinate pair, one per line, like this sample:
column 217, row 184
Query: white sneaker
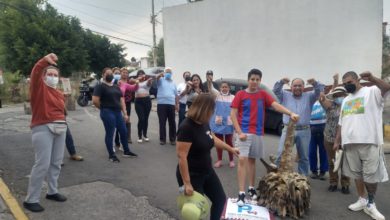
column 241, row 199
column 358, row 205
column 139, row 141
column 146, row 139
column 371, row 210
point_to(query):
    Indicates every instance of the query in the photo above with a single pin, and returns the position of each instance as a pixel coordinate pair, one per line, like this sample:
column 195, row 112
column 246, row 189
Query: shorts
column 364, row 161
column 252, row 147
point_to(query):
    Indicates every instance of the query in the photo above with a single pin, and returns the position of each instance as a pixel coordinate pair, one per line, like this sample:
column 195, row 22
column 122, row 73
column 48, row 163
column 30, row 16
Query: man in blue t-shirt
column 167, row 104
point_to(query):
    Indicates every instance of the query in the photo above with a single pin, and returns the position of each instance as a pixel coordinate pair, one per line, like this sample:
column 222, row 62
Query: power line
column 108, row 29
column 114, row 10
column 87, row 14
column 118, row 38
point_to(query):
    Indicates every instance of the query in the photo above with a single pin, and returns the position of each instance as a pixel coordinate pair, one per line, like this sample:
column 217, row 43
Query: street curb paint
column 11, row 202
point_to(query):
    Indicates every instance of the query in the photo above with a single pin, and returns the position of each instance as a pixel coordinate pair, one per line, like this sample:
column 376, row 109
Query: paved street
column 140, row 188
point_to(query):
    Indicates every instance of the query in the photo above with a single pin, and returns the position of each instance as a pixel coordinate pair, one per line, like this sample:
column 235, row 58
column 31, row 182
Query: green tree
column 30, row 29
column 159, row 53
column 102, row 53
column 28, row 32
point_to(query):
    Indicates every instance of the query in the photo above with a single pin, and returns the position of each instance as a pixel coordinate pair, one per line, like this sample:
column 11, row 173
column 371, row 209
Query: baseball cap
column 338, row 89
column 193, row 207
column 209, row 72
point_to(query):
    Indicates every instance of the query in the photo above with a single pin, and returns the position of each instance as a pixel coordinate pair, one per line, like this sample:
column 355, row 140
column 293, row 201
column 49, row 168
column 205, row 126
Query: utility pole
column 153, row 20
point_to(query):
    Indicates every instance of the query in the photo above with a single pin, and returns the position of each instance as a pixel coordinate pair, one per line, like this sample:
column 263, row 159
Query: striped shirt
column 251, row 110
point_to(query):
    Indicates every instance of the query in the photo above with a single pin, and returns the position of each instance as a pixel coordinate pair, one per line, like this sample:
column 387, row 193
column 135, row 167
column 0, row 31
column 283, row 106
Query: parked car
column 150, row 72
column 273, row 119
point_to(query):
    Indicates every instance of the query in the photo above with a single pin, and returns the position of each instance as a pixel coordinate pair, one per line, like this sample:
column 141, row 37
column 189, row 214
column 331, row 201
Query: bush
column 14, row 88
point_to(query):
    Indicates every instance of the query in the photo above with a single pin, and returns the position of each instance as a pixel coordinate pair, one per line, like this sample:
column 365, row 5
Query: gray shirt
column 301, row 105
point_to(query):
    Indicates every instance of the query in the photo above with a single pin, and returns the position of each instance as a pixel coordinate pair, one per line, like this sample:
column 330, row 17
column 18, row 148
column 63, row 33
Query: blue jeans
column 182, row 113
column 317, row 139
column 301, row 140
column 113, row 119
column 69, row 143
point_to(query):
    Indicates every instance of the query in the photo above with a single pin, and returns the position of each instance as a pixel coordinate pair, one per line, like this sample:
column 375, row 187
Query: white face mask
column 52, row 81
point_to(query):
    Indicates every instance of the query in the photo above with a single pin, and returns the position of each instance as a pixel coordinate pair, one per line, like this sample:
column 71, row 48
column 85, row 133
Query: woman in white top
column 143, row 105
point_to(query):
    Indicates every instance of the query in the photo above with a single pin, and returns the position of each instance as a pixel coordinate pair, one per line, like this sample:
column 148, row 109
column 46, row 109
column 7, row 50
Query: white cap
column 338, row 89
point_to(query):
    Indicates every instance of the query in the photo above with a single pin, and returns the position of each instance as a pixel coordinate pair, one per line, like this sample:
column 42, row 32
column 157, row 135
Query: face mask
column 117, row 77
column 351, row 88
column 225, row 93
column 52, row 81
column 168, row 76
column 339, row 100
column 109, row 78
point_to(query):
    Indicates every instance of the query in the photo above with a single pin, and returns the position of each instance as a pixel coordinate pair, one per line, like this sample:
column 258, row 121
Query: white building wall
column 293, row 38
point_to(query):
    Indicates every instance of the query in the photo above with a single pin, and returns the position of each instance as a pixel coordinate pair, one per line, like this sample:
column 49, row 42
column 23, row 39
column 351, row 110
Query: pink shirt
column 127, row 89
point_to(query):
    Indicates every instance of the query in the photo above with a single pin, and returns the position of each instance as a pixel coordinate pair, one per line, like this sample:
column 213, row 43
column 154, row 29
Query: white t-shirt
column 361, row 117
column 180, row 88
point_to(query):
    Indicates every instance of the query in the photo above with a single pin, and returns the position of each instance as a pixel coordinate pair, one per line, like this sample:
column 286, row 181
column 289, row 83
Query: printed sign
column 66, row 86
column 246, row 212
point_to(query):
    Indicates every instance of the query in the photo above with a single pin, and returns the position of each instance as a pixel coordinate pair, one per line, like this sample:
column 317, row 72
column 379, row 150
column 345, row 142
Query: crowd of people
column 209, row 115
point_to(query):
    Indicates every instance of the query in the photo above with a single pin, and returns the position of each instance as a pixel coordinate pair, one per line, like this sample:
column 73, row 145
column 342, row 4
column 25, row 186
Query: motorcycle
column 85, row 94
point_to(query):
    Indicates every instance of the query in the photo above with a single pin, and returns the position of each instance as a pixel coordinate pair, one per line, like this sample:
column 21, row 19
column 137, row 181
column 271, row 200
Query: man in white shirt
column 183, row 96
column 360, row 133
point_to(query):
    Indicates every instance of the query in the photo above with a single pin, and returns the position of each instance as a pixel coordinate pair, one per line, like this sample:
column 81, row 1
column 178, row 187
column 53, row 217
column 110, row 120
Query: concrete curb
column 10, row 204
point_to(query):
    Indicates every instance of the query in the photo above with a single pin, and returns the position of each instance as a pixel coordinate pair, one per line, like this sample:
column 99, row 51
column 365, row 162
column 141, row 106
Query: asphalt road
column 151, row 175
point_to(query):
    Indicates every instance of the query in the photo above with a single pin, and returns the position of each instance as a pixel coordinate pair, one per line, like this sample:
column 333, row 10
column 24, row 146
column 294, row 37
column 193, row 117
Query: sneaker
column 358, row 205
column 139, row 140
column 371, row 210
column 114, row 159
column 146, row 139
column 314, row 175
column 241, row 199
column 33, row 207
column 345, row 190
column 173, row 143
column 231, row 164
column 322, row 176
column 129, row 154
column 252, row 193
column 56, row 197
column 332, row 188
column 76, row 157
column 162, row 142
column 218, row 164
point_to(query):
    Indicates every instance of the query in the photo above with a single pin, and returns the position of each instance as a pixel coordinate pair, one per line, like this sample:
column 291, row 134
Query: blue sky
column 130, row 19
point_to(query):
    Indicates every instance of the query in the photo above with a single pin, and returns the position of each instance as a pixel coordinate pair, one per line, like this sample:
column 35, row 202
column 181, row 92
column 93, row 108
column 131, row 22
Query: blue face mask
column 339, row 100
column 117, row 77
column 168, row 76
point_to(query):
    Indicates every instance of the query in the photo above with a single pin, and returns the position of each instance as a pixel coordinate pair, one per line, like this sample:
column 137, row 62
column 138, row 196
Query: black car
column 273, row 119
